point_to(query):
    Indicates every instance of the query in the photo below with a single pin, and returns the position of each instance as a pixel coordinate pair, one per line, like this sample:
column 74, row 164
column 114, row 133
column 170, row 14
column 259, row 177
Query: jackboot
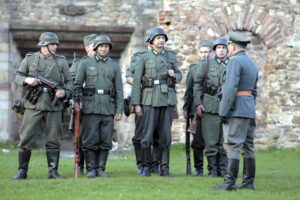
column 90, row 160
column 248, row 174
column 165, row 160
column 139, row 158
column 212, row 166
column 230, row 176
column 24, row 157
column 53, row 161
column 198, row 161
column 102, row 158
column 147, row 161
column 81, row 162
column 156, row 158
column 222, row 163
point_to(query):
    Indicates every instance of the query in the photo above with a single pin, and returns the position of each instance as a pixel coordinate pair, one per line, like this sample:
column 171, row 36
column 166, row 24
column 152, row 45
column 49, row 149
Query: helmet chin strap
column 49, row 50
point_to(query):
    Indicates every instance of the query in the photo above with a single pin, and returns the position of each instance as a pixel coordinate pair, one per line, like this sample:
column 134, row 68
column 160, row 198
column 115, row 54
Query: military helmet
column 220, row 41
column 155, row 32
column 48, row 38
column 148, row 35
column 206, row 43
column 102, row 39
column 89, row 39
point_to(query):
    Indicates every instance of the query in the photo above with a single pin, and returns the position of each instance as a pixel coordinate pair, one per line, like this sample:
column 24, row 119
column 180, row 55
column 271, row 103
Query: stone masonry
column 274, row 25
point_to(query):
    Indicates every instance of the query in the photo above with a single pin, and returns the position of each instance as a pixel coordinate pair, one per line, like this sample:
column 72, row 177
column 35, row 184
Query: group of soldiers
column 220, row 93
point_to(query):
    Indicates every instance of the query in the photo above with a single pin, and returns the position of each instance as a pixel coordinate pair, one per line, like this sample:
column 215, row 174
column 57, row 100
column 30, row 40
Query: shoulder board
column 139, row 53
column 76, row 60
column 84, row 57
column 193, row 65
column 29, row 54
column 171, row 51
column 60, row 56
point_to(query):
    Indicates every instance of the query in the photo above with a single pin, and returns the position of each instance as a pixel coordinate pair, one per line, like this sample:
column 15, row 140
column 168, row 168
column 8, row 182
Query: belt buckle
column 45, row 89
column 156, row 82
column 100, row 91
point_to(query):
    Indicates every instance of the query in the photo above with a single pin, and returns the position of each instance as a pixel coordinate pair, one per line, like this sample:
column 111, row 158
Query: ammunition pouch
column 18, row 106
column 149, row 83
column 211, row 91
column 92, row 91
column 33, row 93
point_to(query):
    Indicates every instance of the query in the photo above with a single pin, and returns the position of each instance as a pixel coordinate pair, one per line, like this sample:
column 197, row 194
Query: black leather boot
column 147, row 161
column 90, row 160
column 156, row 158
column 53, row 161
column 198, row 161
column 230, row 176
column 165, row 160
column 81, row 162
column 102, row 158
column 222, row 164
column 139, row 158
column 24, row 157
column 212, row 166
column 248, row 174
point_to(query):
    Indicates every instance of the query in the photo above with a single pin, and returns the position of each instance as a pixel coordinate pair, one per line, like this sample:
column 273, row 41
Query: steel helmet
column 48, row 38
column 220, row 41
column 155, row 32
column 102, row 39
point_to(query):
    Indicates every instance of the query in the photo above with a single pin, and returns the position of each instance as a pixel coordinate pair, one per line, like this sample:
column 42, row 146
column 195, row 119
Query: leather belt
column 244, row 93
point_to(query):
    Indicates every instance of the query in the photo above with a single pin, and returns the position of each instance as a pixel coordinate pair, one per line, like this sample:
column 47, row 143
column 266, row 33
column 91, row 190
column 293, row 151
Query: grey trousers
column 239, row 135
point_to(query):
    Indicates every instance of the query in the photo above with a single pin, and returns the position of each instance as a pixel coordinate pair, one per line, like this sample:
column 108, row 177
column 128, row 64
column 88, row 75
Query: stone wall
column 275, row 26
column 275, row 48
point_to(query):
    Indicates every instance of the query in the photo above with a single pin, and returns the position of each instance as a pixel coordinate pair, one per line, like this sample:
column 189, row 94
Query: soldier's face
column 221, row 51
column 103, row 49
column 52, row 48
column 159, row 41
column 89, row 49
column 204, row 53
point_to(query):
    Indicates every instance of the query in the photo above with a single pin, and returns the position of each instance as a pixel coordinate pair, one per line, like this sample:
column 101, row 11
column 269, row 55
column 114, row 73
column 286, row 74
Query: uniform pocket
column 207, row 102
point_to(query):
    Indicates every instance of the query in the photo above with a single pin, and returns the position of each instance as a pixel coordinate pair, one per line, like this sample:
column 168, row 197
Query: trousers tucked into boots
column 165, row 160
column 156, row 157
column 102, row 158
column 198, row 161
column 222, row 163
column 24, row 157
column 81, row 161
column 53, row 161
column 90, row 160
column 139, row 158
column 147, row 161
column 230, row 176
column 212, row 166
column 248, row 174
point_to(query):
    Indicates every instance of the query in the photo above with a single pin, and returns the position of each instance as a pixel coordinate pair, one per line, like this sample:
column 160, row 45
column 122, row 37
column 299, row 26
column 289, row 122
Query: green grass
column 278, row 177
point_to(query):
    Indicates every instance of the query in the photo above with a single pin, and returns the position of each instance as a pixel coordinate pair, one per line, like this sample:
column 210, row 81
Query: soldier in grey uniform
column 157, row 71
column 189, row 106
column 136, row 140
column 40, row 114
column 237, row 111
column 102, row 102
column 208, row 81
column 88, row 42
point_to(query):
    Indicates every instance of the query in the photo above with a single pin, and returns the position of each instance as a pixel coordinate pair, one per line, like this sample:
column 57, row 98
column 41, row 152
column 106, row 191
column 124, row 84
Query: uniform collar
column 163, row 51
column 225, row 61
column 45, row 57
column 99, row 58
column 240, row 52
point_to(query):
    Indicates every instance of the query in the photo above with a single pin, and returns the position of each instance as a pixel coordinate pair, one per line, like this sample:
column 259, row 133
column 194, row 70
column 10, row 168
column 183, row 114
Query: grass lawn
column 277, row 177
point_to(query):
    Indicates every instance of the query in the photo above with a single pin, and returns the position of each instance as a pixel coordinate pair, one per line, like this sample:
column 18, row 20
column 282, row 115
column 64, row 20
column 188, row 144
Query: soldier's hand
column 171, row 72
column 31, row 81
column 78, row 106
column 60, row 93
column 138, row 110
column 118, row 117
column 200, row 110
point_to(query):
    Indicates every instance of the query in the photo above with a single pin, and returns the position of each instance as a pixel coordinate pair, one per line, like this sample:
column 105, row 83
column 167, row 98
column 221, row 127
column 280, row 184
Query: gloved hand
column 224, row 120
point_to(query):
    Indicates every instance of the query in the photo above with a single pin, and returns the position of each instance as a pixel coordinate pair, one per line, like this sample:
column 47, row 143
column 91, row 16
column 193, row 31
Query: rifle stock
column 76, row 142
column 188, row 148
column 193, row 127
